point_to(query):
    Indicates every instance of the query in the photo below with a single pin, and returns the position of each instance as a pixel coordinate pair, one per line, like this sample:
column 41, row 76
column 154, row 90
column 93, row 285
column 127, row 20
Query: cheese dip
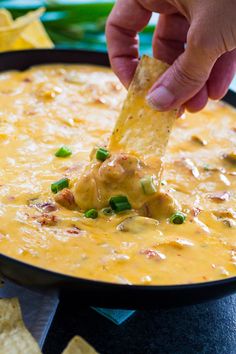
column 185, row 235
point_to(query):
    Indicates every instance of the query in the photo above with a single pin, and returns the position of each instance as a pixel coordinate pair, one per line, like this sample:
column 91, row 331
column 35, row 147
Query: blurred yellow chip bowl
column 26, row 32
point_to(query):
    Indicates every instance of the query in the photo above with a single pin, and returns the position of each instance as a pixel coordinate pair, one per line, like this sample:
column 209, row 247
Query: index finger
column 127, row 18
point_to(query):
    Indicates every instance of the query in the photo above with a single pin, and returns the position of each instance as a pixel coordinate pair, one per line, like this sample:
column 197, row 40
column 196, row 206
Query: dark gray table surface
column 206, row 328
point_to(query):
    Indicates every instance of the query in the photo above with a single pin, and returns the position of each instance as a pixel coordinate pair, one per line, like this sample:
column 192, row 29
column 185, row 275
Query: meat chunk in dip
column 120, row 174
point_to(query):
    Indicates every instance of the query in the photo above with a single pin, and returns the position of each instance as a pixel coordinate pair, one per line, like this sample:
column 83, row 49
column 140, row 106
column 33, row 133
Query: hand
column 200, row 70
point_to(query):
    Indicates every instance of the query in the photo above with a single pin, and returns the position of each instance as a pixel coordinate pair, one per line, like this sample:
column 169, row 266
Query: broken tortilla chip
column 140, row 129
column 78, row 345
column 14, row 337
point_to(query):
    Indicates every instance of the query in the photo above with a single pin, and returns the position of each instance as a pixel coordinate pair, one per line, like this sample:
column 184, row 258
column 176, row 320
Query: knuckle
column 228, row 40
column 199, row 42
column 185, row 76
column 204, row 44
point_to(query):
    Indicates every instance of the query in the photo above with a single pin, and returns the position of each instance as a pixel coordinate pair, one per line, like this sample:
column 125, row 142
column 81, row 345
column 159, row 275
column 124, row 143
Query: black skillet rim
column 45, row 56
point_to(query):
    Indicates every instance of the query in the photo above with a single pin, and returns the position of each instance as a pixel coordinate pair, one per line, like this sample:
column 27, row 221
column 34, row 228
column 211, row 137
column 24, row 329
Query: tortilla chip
column 5, row 18
column 30, row 17
column 37, row 36
column 9, row 33
column 34, row 36
column 14, row 337
column 78, row 345
column 140, row 129
column 20, row 43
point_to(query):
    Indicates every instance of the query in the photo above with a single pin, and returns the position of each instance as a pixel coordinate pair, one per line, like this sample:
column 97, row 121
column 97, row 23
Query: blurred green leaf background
column 75, row 24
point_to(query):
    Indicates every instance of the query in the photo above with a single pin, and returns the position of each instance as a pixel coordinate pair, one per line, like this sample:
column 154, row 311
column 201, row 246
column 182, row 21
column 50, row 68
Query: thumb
column 187, row 75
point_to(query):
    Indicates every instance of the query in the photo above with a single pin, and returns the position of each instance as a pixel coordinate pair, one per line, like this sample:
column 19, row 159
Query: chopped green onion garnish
column 119, row 203
column 59, row 185
column 102, row 154
column 148, row 185
column 91, row 213
column 64, row 151
column 206, row 167
column 177, row 218
column 108, row 211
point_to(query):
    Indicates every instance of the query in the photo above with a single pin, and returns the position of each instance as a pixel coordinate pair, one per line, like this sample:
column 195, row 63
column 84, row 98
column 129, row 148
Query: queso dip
column 47, row 107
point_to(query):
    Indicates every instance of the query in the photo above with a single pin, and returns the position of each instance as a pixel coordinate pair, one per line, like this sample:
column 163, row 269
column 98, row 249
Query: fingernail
column 160, row 98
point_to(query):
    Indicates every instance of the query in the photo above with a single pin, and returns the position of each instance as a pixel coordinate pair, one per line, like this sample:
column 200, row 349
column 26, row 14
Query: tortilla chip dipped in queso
column 129, row 171
column 79, row 200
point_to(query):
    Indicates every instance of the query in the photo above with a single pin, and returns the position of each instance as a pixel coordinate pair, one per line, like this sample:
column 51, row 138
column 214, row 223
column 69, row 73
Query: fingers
column 168, row 43
column 218, row 83
column 198, row 102
column 184, row 83
column 185, row 77
column 160, row 6
column 127, row 18
column 221, row 75
column 170, row 37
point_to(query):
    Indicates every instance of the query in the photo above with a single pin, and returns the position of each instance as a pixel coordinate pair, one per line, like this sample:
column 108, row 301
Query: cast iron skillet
column 92, row 292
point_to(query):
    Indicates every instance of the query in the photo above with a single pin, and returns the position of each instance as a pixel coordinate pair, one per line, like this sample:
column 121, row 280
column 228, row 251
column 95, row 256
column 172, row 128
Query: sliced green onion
column 206, row 167
column 148, row 185
column 64, row 151
column 102, row 154
column 59, row 185
column 91, row 214
column 119, row 203
column 177, row 218
column 108, row 211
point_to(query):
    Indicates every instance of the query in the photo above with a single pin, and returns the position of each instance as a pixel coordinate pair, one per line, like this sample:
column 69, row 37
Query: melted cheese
column 49, row 106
